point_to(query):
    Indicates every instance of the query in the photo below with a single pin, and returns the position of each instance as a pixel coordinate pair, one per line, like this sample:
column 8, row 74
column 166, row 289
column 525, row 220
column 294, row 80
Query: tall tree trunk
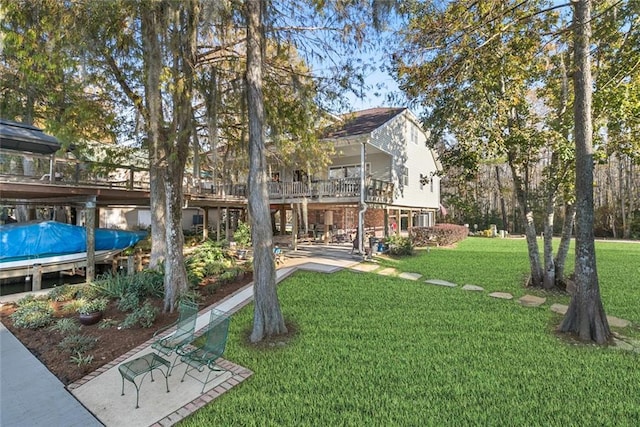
column 565, row 241
column 549, row 278
column 585, row 316
column 529, row 228
column 152, row 59
column 631, row 195
column 503, row 204
column 184, row 53
column 267, row 319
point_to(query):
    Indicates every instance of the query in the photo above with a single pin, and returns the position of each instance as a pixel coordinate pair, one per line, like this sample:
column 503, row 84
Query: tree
column 474, row 67
column 267, row 319
column 585, row 316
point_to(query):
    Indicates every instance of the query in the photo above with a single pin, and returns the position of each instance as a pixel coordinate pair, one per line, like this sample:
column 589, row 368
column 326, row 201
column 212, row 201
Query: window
column 431, row 183
column 414, row 133
column 405, row 176
column 348, row 171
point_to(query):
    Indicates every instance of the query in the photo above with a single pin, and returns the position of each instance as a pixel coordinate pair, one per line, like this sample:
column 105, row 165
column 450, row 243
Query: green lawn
column 373, row 350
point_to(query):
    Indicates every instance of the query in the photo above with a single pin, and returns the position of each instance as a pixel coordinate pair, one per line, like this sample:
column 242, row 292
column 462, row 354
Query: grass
column 374, row 350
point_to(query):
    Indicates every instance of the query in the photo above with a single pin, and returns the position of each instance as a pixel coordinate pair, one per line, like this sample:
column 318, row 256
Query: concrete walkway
column 31, row 396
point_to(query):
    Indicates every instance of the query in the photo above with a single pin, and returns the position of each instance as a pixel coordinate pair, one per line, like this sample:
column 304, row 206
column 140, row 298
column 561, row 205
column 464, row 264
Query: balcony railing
column 377, row 191
column 22, row 167
column 18, row 167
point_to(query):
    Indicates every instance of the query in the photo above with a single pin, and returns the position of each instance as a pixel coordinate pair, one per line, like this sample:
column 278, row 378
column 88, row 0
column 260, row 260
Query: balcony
column 331, row 191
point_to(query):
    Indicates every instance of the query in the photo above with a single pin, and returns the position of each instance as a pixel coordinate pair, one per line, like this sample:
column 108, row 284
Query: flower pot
column 90, row 318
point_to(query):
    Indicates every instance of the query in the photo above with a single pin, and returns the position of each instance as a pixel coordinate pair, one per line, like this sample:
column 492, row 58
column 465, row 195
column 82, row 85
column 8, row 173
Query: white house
column 399, row 188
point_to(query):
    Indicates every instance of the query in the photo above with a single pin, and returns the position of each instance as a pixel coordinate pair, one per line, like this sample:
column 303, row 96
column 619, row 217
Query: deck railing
column 377, row 191
column 19, row 167
column 22, row 167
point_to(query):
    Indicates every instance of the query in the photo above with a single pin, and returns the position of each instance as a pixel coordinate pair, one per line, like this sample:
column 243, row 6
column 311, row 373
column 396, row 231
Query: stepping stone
column 501, row 295
column 559, row 308
column 622, row 345
column 532, row 301
column 472, row 288
column 410, row 276
column 388, row 271
column 364, row 267
column 617, row 322
column 613, row 321
column 439, row 282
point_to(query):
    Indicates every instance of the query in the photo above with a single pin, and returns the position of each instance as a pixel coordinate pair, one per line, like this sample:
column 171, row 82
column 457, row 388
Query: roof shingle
column 362, row 122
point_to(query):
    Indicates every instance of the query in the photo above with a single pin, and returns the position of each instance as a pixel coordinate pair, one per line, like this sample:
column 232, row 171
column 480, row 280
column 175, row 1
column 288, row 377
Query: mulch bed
column 112, row 342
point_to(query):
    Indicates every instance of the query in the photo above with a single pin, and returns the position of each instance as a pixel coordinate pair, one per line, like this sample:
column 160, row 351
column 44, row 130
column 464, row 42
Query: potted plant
column 90, row 311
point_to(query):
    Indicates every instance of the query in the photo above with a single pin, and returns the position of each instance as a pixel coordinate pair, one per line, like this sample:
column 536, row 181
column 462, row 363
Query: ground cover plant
column 377, row 350
column 47, row 325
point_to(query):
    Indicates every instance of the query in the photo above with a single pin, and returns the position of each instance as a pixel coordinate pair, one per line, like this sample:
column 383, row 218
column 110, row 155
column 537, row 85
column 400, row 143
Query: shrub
column 63, row 293
column 92, row 306
column 144, row 315
column 66, row 326
column 242, row 235
column 128, row 302
column 73, row 306
column 33, row 314
column 82, row 359
column 208, row 259
column 88, row 292
column 144, row 283
column 439, row 234
column 400, row 246
column 77, row 343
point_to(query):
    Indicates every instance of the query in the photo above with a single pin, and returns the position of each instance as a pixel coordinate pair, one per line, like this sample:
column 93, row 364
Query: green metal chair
column 204, row 354
column 183, row 335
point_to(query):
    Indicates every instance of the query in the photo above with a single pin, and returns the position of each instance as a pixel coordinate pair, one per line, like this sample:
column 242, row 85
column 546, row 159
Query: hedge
column 439, row 234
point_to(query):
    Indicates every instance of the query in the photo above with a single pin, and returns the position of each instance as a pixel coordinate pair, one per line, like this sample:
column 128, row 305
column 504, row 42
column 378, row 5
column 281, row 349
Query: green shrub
column 31, row 299
column 439, row 234
column 111, row 285
column 63, row 293
column 128, row 302
column 208, row 259
column 144, row 315
column 77, row 343
column 82, row 359
column 242, row 235
column 190, row 296
column 144, row 283
column 228, row 276
column 93, row 305
column 33, row 314
column 66, row 326
column 400, row 246
column 88, row 292
column 73, row 306
column 107, row 323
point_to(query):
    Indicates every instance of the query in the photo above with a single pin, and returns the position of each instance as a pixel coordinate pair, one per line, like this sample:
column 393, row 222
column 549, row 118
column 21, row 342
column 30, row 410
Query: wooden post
column 90, row 226
column 218, row 224
column 226, row 224
column 283, row 221
column 294, row 229
column 36, row 283
column 386, row 222
column 131, row 265
column 328, row 222
column 205, row 223
column 410, row 221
